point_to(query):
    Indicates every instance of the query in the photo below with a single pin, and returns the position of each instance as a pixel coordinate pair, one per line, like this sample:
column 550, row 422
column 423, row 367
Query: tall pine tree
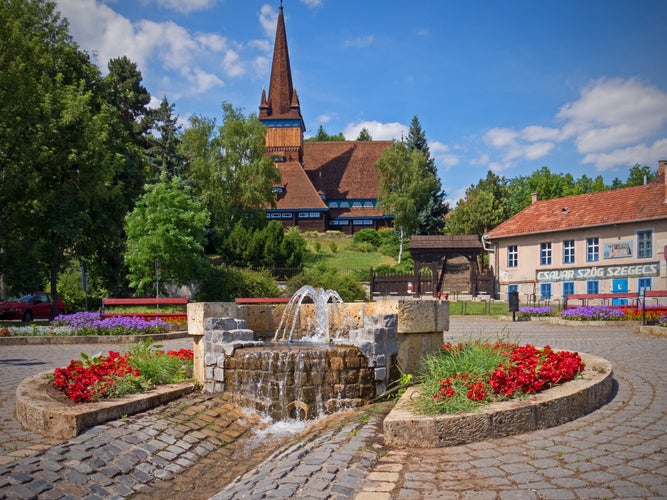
column 432, row 217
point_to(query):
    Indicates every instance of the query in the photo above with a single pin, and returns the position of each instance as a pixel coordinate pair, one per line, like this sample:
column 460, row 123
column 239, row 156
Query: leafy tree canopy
column 364, row 135
column 168, row 226
column 405, row 187
column 228, row 169
column 432, row 215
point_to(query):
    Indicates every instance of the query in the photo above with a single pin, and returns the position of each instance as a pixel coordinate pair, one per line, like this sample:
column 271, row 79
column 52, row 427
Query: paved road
column 202, row 446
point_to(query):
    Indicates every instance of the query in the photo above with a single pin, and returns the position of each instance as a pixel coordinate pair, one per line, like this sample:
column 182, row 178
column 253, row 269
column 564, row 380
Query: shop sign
column 599, row 272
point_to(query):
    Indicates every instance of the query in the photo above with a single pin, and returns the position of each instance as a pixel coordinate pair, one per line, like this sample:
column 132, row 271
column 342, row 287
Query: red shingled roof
column 299, row 192
column 344, row 169
column 640, row 203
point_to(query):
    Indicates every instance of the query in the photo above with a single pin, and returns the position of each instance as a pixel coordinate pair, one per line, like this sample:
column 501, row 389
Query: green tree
column 432, row 215
column 364, row 135
column 548, row 185
column 62, row 147
column 228, row 169
column 406, row 185
column 163, row 141
column 322, row 136
column 639, row 175
column 168, row 226
column 482, row 208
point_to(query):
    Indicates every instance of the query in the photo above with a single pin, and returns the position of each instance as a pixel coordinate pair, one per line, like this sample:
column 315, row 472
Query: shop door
column 619, row 286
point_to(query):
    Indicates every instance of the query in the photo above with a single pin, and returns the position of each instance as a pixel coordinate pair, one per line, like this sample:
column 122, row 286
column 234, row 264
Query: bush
column 226, row 283
column 346, row 286
column 367, row 237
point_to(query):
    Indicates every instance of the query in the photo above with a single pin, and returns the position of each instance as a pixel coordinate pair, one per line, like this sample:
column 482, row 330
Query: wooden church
column 324, row 185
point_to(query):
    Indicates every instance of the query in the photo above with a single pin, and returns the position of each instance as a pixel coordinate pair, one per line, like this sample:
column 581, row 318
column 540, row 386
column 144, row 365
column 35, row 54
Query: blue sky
column 507, row 85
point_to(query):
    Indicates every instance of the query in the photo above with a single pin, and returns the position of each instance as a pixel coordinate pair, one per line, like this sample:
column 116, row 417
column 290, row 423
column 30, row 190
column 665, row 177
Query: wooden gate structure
column 435, row 252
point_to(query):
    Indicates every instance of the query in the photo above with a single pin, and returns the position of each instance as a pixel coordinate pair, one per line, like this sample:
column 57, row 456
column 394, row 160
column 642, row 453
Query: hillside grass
column 336, row 252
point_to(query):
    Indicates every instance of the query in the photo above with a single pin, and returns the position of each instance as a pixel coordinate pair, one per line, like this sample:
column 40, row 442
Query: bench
column 262, row 300
column 604, row 298
column 138, row 302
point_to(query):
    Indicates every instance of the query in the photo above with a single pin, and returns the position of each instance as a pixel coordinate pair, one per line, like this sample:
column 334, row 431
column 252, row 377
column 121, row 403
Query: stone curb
column 555, row 406
column 89, row 339
column 38, row 412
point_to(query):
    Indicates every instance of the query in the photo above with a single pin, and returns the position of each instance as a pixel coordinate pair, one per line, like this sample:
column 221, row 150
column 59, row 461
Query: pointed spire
column 282, row 101
column 263, row 103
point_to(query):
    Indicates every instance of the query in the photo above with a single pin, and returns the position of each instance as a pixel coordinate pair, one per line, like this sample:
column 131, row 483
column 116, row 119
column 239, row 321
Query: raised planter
column 39, row 412
column 557, row 405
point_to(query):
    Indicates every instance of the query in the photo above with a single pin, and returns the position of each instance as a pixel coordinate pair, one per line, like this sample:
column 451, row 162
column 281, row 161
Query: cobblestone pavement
column 201, row 446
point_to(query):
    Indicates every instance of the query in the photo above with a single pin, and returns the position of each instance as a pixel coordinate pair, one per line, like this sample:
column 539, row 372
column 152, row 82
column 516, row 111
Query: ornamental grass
column 465, row 376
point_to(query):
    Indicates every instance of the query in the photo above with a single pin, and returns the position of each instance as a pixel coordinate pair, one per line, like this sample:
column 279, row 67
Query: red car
column 32, row 306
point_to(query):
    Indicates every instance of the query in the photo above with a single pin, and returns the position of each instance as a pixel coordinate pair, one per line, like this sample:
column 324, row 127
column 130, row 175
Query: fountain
column 323, row 357
column 320, row 330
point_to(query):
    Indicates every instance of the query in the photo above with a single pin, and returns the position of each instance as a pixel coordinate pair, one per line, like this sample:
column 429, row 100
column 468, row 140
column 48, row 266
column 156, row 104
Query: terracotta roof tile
column 299, row 192
column 595, row 209
column 356, row 212
column 344, row 169
column 459, row 241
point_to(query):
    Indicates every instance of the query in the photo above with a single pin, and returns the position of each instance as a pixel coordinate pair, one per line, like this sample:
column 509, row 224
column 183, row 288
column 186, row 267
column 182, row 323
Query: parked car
column 32, row 306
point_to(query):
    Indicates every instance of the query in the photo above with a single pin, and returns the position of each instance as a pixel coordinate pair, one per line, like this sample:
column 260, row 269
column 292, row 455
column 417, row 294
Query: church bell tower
column 281, row 111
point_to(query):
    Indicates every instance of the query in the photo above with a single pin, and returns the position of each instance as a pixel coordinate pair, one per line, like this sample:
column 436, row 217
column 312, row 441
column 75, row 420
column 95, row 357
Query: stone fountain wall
column 387, row 336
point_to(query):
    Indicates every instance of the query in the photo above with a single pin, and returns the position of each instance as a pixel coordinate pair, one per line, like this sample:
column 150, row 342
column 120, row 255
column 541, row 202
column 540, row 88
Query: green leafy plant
column 464, row 376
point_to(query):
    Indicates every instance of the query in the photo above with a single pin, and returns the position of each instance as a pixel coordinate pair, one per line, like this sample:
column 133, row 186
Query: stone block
column 199, row 311
column 415, row 316
column 441, row 316
column 242, row 334
column 413, row 347
column 517, row 417
column 225, row 323
column 209, row 358
column 453, row 430
column 218, row 374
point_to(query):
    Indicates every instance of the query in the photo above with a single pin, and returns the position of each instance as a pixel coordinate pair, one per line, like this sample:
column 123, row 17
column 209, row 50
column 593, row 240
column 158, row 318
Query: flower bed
column 467, row 375
column 90, row 323
column 594, row 313
column 115, row 375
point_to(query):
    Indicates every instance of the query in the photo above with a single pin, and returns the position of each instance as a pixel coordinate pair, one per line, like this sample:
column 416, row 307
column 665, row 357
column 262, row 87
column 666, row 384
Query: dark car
column 32, row 306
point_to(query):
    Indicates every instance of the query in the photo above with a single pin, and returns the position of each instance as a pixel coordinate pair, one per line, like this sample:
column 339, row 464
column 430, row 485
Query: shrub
column 346, row 286
column 370, row 237
column 226, row 283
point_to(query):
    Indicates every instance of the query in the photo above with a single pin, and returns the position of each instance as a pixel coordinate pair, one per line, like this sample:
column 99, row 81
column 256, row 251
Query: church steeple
column 281, row 111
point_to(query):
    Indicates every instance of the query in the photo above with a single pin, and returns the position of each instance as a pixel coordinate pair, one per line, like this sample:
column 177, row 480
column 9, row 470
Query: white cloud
column 359, row 42
column 232, row 64
column 641, row 153
column 263, row 45
column 261, row 66
column 106, row 35
column 312, row 3
column 614, row 122
column 268, row 18
column 379, row 131
column 612, row 113
column 186, row 6
column 443, row 155
column 324, row 118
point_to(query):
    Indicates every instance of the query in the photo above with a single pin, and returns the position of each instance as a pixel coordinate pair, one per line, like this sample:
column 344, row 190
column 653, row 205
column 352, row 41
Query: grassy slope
column 343, row 257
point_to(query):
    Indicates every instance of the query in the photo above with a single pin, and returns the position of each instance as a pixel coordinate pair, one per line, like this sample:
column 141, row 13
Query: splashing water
column 319, row 331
